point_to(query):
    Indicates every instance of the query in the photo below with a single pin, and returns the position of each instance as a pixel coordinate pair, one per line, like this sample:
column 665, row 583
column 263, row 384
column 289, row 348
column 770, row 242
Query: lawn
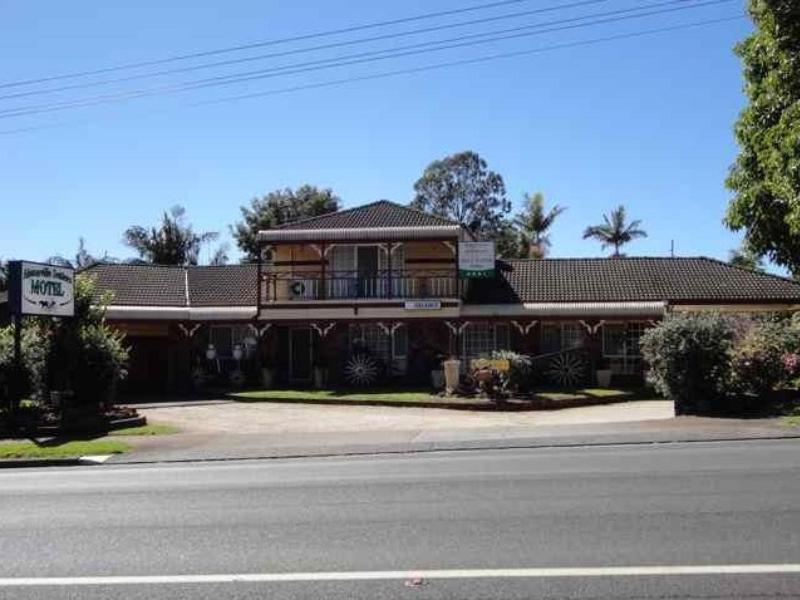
column 152, row 429
column 29, row 449
column 423, row 397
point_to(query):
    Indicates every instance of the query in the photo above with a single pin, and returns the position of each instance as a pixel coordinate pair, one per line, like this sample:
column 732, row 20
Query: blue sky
column 645, row 121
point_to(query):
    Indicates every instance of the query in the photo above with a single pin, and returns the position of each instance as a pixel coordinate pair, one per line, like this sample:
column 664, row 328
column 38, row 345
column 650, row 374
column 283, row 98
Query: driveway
column 226, row 416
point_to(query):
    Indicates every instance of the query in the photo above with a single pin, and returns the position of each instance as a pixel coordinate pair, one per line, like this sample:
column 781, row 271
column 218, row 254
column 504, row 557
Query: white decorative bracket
column 451, row 246
column 323, row 331
column 189, row 331
column 259, row 331
column 456, row 329
column 524, row 328
column 593, row 329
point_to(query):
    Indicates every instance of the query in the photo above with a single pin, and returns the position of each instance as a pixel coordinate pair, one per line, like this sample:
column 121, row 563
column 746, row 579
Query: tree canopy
column 534, row 223
column 615, row 230
column 765, row 178
column 174, row 242
column 82, row 259
column 462, row 188
column 746, row 259
column 277, row 208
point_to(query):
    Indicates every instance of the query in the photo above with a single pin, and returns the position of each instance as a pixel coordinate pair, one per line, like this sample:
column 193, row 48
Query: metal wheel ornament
column 361, row 370
column 566, row 370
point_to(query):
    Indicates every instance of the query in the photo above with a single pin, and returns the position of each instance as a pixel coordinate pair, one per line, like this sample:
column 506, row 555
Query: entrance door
column 300, row 342
column 367, row 262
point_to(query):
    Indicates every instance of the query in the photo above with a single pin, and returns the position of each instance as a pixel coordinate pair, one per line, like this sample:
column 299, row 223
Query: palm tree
column 82, row 259
column 534, row 223
column 615, row 231
column 174, row 242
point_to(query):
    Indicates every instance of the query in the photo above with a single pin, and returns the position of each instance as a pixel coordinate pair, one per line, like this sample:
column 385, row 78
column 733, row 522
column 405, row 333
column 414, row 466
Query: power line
column 468, row 61
column 344, row 61
column 437, row 66
column 261, row 44
column 328, row 46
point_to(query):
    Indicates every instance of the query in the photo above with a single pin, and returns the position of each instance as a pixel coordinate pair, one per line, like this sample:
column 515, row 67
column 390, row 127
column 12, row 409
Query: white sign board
column 38, row 289
column 423, row 305
column 476, row 260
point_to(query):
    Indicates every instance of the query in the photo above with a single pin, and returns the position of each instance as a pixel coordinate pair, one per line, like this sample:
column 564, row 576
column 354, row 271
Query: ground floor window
column 621, row 346
column 387, row 344
column 479, row 340
column 225, row 338
column 557, row 337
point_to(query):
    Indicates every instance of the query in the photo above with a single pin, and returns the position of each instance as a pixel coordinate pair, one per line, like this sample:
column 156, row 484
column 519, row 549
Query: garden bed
column 540, row 400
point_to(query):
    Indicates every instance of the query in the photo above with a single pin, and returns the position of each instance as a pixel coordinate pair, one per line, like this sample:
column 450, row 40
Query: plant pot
column 267, row 378
column 604, row 378
column 320, row 377
column 452, row 373
column 437, row 379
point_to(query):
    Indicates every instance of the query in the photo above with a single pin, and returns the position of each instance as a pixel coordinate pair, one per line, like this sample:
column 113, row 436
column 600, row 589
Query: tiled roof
column 231, row 285
column 630, row 279
column 141, row 285
column 160, row 285
column 380, row 214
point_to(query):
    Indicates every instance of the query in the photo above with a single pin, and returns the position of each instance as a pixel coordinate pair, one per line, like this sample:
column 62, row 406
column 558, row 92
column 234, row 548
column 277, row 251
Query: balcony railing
column 345, row 285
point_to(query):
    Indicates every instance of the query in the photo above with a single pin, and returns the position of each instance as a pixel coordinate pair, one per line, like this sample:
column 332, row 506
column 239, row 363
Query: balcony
column 281, row 286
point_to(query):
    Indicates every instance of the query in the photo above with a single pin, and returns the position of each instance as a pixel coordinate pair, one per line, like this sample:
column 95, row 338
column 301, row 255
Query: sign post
column 476, row 260
column 40, row 290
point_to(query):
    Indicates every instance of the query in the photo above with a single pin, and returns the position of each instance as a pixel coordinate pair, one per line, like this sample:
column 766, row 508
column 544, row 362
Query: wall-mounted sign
column 476, row 260
column 423, row 305
column 38, row 289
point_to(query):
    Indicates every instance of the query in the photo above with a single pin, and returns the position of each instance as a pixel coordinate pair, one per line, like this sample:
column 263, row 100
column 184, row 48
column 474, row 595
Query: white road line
column 534, row 573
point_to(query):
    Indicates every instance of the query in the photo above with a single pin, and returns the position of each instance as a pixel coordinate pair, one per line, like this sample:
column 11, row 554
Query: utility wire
column 468, row 61
column 437, row 66
column 328, row 46
column 342, row 61
column 261, row 44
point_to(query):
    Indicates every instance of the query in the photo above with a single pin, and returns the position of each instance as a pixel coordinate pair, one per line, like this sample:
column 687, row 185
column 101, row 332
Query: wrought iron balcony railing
column 284, row 286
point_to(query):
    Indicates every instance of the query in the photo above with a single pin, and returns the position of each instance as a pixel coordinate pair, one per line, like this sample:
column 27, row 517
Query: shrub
column 689, row 359
column 35, row 349
column 765, row 357
column 520, row 375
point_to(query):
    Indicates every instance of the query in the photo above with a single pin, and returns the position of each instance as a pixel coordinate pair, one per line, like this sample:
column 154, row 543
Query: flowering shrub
column 766, row 357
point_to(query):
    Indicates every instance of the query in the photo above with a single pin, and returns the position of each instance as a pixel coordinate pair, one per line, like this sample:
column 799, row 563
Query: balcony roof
column 382, row 220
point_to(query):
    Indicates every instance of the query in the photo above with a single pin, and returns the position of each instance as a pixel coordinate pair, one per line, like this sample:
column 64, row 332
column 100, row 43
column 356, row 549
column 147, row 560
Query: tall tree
column 745, row 258
column 615, row 231
column 277, row 208
column 82, row 258
column 220, row 256
column 3, row 275
column 174, row 242
column 462, row 188
column 534, row 223
column 765, row 178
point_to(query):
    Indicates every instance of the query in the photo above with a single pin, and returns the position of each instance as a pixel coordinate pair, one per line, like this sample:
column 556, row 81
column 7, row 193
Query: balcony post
column 323, row 282
column 389, row 247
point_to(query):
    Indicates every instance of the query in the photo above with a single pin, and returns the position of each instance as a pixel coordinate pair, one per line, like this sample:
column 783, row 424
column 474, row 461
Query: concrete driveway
column 227, row 416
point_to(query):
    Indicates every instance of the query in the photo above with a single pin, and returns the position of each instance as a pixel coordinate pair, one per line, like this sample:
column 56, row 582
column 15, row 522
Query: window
column 400, row 342
column 371, row 338
column 225, row 337
column 557, row 337
column 481, row 339
column 622, row 339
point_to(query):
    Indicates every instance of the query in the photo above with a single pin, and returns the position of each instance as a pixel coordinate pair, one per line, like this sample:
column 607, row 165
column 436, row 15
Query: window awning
column 566, row 309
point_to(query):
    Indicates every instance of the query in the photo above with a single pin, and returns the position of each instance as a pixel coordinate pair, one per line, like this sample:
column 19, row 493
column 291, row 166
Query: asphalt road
column 370, row 527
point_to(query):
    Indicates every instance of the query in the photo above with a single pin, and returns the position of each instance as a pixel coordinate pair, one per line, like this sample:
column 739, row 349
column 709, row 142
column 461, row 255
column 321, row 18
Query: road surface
column 702, row 520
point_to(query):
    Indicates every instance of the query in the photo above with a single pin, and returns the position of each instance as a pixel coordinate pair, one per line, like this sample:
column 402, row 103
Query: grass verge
column 152, row 429
column 29, row 449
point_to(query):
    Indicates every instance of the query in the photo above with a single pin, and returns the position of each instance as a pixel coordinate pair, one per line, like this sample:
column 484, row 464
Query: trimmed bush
column 690, row 360
column 35, row 349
